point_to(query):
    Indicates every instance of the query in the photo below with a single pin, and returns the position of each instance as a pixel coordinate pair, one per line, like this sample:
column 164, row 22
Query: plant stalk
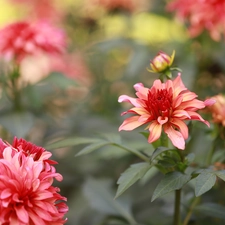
column 176, row 218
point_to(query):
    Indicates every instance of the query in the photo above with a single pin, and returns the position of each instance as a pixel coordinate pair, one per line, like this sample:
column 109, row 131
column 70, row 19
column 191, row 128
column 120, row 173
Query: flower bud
column 161, row 62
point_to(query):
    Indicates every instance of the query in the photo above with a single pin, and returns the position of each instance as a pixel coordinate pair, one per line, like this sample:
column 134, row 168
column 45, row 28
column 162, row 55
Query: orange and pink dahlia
column 164, row 107
column 201, row 15
column 21, row 39
column 27, row 196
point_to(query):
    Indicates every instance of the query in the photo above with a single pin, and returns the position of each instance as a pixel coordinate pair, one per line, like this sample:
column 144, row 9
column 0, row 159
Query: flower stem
column 176, row 218
column 188, row 216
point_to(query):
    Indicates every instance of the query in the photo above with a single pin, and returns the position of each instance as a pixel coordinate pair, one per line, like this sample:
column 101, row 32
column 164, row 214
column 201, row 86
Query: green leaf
column 71, row 142
column 131, row 175
column 190, row 158
column 220, row 174
column 211, row 209
column 90, row 148
column 170, row 182
column 158, row 151
column 204, row 182
column 100, row 196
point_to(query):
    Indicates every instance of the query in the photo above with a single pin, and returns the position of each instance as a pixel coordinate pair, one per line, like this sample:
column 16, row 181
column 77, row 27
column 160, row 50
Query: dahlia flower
column 201, row 15
column 218, row 109
column 27, row 195
column 21, row 39
column 164, row 107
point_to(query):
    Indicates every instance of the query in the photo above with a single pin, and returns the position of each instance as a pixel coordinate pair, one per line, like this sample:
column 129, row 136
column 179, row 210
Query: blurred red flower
column 202, row 15
column 27, row 195
column 21, row 39
column 164, row 106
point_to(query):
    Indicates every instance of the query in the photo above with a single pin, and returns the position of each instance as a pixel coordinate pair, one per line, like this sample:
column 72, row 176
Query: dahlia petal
column 125, row 98
column 144, row 118
column 181, row 126
column 22, row 213
column 155, row 132
column 130, row 123
column 181, row 114
column 5, row 193
column 139, row 111
column 157, row 84
column 209, row 102
column 162, row 120
column 196, row 116
column 188, row 96
column 175, row 136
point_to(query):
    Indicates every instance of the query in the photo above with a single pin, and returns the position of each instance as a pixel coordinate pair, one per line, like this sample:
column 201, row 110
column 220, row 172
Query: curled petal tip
column 209, row 102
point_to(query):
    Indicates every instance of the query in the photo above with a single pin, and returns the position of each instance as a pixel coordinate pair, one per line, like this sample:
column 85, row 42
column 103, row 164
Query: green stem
column 210, row 155
column 176, row 218
column 188, row 216
column 140, row 155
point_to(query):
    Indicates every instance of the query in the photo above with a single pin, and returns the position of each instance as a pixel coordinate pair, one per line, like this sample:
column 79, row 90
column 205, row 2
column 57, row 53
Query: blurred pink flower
column 21, row 39
column 41, row 9
column 164, row 106
column 202, row 15
column 27, row 195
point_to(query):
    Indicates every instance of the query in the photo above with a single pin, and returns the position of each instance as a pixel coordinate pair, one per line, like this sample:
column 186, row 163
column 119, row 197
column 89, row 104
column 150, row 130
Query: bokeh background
column 109, row 47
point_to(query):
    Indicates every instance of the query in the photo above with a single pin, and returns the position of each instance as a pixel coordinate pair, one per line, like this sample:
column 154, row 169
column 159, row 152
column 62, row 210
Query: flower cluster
column 164, row 106
column 21, row 39
column 26, row 177
column 202, row 15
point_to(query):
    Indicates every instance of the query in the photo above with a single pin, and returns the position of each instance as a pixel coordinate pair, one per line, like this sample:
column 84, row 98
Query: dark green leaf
column 204, row 182
column 131, row 175
column 171, row 181
column 100, row 196
column 158, row 151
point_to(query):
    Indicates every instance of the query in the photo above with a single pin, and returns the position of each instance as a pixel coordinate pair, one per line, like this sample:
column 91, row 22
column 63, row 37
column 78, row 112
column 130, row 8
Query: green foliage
column 204, row 182
column 171, row 181
column 131, row 175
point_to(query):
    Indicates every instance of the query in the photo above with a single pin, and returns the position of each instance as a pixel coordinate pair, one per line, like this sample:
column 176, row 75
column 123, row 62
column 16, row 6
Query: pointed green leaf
column 131, row 175
column 71, row 142
column 90, row 148
column 211, row 209
column 171, row 181
column 158, row 151
column 221, row 174
column 100, row 196
column 204, row 182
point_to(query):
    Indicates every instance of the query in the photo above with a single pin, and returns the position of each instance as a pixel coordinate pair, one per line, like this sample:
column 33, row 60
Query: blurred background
column 109, row 46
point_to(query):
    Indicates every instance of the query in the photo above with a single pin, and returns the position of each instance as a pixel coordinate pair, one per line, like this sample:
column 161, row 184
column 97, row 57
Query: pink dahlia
column 201, row 15
column 21, row 39
column 164, row 107
column 27, row 196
